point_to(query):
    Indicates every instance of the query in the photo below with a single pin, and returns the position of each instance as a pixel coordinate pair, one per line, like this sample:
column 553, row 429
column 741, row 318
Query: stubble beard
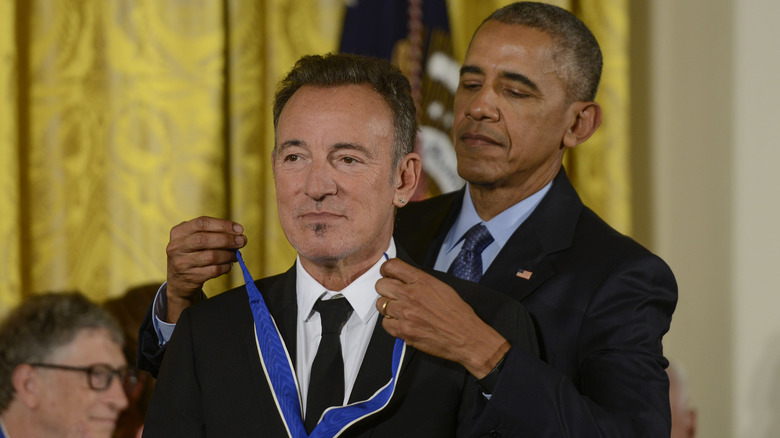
column 319, row 229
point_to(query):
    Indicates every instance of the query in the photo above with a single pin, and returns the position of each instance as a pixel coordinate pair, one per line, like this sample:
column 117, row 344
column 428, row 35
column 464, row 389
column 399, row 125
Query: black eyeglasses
column 99, row 375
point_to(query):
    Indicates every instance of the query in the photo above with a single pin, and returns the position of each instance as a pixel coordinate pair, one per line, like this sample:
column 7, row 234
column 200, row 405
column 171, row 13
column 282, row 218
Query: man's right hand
column 199, row 250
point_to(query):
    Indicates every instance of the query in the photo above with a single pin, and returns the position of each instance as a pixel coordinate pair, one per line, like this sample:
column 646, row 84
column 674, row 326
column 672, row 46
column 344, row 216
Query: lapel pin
column 525, row 275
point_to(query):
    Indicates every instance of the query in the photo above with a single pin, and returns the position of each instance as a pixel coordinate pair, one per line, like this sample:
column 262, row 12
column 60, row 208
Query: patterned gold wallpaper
column 123, row 118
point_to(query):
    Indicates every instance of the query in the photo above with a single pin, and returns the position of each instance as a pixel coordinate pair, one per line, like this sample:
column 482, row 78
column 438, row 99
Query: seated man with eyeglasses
column 62, row 369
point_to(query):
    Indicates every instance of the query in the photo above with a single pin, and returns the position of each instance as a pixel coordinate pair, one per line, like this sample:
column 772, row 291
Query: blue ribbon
column 280, row 372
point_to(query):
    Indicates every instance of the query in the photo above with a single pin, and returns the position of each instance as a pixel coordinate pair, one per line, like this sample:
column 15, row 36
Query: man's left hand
column 431, row 317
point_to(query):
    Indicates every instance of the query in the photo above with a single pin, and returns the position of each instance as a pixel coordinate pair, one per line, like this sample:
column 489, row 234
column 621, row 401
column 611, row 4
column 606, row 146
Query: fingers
column 206, row 224
column 402, row 271
column 203, row 235
column 381, row 306
column 199, row 250
column 401, row 282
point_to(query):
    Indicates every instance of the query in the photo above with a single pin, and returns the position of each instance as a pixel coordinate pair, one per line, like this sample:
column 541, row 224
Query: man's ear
column 406, row 179
column 586, row 120
column 27, row 385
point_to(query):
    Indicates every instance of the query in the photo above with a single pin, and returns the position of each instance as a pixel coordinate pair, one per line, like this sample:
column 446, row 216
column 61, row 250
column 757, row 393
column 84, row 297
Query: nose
column 115, row 395
column 483, row 105
column 319, row 182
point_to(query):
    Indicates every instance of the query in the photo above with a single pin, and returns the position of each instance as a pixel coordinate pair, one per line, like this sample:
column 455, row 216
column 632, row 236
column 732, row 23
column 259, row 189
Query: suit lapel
column 527, row 256
column 549, row 229
column 422, row 226
column 376, row 368
column 279, row 296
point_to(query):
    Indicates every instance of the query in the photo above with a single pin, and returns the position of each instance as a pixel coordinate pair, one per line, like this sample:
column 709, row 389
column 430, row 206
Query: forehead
column 345, row 113
column 90, row 346
column 510, row 48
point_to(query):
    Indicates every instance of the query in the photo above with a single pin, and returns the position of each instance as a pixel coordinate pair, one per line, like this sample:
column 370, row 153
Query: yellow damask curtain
column 10, row 267
column 123, row 118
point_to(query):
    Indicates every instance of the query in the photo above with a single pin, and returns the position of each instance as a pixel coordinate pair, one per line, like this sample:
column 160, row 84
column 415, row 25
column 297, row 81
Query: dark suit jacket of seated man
column 339, row 177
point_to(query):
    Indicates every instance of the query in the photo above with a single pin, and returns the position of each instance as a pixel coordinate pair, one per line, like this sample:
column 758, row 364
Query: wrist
column 488, row 383
column 487, row 363
column 177, row 303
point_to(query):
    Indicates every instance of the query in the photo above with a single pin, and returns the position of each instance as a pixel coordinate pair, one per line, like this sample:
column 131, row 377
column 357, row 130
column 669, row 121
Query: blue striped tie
column 468, row 264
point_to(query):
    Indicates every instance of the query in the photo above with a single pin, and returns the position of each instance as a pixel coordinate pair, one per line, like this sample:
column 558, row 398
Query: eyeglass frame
column 127, row 375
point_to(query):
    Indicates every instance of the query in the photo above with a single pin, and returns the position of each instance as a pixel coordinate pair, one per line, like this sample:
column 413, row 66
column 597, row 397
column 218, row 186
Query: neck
column 17, row 423
column 492, row 199
column 335, row 275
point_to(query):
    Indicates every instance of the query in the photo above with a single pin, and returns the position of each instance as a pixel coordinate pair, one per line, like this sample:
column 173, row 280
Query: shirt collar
column 361, row 293
column 3, row 429
column 501, row 227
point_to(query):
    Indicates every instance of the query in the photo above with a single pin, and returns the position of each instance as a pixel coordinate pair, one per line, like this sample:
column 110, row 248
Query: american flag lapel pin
column 525, row 275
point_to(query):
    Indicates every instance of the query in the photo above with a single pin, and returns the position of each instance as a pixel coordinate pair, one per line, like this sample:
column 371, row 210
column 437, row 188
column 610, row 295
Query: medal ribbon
column 280, row 373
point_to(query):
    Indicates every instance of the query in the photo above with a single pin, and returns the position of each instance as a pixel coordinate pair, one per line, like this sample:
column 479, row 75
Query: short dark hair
column 578, row 54
column 333, row 70
column 42, row 324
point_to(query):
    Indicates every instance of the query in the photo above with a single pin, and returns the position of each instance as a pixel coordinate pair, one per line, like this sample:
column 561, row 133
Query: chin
column 477, row 176
column 323, row 253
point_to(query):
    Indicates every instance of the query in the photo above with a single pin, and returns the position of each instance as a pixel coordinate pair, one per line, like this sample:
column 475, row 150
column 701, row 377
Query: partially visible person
column 61, row 369
column 683, row 415
column 602, row 302
column 129, row 311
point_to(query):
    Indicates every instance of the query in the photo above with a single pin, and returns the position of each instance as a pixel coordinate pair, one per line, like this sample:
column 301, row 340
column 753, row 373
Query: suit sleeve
column 622, row 390
column 176, row 408
column 150, row 354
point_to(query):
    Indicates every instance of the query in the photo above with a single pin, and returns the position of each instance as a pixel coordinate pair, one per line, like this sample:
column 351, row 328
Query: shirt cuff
column 488, row 383
column 163, row 329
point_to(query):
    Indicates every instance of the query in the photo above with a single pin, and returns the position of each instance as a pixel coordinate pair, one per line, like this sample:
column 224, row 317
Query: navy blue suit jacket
column 601, row 303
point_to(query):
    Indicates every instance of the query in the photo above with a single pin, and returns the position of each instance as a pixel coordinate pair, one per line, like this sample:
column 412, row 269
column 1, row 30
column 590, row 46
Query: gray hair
column 42, row 324
column 333, row 70
column 578, row 56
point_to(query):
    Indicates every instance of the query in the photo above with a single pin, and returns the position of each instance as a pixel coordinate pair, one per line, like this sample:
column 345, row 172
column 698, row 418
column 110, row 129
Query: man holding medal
column 343, row 162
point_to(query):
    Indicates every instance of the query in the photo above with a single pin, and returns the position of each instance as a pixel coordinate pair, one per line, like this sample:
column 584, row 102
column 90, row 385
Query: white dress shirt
column 355, row 335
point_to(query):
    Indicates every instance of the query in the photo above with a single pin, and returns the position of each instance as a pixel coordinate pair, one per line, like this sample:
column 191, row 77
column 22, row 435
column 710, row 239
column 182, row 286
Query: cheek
column 458, row 112
column 70, row 411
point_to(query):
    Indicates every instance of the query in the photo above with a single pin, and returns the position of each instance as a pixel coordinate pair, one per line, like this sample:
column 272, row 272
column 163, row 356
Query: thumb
column 400, row 270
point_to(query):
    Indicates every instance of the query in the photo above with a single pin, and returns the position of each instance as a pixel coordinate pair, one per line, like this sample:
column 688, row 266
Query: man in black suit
column 342, row 162
column 602, row 303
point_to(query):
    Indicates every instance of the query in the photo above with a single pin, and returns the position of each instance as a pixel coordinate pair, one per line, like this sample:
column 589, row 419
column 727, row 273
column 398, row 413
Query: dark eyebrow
column 353, row 146
column 512, row 76
column 517, row 77
column 336, row 147
column 288, row 143
column 471, row 69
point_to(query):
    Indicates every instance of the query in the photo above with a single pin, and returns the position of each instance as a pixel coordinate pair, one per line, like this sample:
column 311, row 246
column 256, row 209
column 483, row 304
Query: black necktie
column 468, row 264
column 326, row 383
